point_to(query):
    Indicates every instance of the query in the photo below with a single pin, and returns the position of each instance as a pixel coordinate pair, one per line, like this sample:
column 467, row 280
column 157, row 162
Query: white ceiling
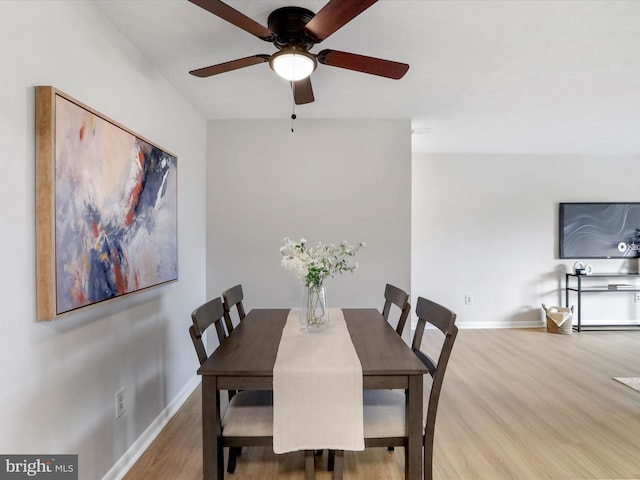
column 539, row 77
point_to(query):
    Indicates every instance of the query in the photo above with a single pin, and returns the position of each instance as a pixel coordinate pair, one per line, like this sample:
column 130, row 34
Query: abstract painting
column 106, row 208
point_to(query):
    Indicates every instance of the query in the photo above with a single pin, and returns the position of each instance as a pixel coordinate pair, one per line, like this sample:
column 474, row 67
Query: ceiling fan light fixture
column 292, row 64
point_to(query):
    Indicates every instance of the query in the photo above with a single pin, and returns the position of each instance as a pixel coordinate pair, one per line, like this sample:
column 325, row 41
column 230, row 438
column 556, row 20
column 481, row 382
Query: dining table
column 245, row 361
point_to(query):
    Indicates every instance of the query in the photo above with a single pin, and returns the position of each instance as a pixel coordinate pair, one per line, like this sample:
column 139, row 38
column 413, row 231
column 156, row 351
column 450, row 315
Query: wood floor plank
column 516, row 404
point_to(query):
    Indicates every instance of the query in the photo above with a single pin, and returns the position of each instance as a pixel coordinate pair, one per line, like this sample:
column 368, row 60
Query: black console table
column 579, row 288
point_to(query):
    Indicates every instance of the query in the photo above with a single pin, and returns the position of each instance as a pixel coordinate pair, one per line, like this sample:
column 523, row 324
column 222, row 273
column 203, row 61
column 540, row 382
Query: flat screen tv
column 599, row 230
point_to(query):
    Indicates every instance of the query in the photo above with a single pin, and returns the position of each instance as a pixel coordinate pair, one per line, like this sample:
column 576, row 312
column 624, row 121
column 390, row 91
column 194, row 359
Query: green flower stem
column 315, row 307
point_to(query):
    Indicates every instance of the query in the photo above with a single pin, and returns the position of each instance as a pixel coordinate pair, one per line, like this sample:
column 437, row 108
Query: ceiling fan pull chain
column 293, row 108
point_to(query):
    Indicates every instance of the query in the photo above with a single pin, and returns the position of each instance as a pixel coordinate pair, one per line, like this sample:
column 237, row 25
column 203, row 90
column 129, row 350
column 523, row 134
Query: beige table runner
column 317, row 388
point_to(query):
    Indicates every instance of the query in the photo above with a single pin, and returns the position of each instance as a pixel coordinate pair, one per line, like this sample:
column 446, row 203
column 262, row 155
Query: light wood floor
column 516, row 404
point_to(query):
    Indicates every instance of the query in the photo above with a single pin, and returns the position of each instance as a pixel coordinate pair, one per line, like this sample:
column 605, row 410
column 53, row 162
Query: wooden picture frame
column 106, row 208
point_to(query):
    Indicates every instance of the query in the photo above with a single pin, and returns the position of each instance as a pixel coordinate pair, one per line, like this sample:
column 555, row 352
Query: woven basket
column 554, row 313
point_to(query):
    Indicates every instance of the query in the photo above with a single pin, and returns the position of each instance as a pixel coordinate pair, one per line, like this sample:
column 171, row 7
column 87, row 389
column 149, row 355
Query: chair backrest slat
column 428, row 362
column 398, row 297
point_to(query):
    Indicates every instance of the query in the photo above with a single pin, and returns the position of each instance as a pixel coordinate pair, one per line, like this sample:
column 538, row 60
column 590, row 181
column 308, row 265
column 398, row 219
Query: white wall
column 487, row 225
column 59, row 379
column 328, row 181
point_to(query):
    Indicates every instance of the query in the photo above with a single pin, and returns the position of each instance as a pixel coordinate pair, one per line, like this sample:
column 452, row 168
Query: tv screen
column 599, row 230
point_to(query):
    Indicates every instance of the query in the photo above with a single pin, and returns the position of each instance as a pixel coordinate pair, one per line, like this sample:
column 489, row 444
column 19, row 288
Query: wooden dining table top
column 251, row 350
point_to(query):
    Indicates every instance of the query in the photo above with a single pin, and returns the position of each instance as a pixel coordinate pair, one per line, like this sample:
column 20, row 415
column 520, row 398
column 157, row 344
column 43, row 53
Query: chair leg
column 233, row 454
column 309, row 465
column 428, row 458
column 338, row 465
column 331, row 457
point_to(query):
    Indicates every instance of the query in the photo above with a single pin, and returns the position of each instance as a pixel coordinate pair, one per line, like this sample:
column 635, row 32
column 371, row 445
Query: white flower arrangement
column 312, row 265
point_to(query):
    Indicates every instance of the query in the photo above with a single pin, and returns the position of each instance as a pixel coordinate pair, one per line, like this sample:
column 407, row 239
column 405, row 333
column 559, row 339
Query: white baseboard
column 137, row 448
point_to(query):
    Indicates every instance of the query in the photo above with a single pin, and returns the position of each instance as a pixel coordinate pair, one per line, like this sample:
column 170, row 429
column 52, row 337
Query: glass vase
column 314, row 314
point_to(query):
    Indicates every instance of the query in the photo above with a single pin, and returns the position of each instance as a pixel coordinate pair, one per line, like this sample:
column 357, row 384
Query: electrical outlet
column 120, row 403
column 468, row 299
column 636, row 297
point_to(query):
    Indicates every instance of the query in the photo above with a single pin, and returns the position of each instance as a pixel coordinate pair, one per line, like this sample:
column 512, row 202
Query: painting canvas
column 107, row 206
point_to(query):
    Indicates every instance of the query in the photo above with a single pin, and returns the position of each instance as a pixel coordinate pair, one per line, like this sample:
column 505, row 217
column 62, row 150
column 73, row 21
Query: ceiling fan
column 294, row 31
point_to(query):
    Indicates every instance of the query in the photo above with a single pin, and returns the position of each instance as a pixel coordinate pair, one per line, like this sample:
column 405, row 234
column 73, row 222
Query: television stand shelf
column 579, row 288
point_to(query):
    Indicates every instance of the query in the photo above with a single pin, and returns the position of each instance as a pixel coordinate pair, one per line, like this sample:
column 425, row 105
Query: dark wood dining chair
column 231, row 298
column 384, row 410
column 248, row 418
column 398, row 297
column 203, row 317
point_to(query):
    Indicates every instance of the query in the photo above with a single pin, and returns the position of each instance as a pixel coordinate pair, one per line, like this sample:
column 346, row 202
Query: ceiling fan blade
column 334, row 15
column 302, row 91
column 362, row 63
column 229, row 66
column 236, row 18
